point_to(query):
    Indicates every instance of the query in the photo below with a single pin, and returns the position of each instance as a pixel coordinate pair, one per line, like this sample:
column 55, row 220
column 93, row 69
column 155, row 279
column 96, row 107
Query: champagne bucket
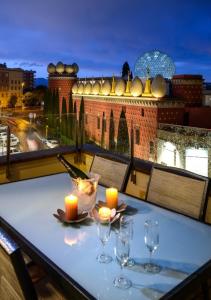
column 86, row 190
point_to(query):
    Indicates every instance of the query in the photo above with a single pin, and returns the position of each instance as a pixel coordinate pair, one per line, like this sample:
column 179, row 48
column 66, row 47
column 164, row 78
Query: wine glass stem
column 150, row 257
column 103, row 249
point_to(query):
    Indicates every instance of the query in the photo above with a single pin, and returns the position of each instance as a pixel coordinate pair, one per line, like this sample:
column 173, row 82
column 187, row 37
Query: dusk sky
column 100, row 35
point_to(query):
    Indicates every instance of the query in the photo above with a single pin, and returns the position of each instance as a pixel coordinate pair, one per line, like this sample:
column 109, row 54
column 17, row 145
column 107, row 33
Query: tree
column 70, row 118
column 103, row 131
column 75, row 125
column 12, row 101
column 125, row 70
column 123, row 136
column 64, row 117
column 81, row 122
column 111, row 132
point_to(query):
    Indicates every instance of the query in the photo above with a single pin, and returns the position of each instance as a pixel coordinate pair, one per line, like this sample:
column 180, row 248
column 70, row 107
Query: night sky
column 101, row 35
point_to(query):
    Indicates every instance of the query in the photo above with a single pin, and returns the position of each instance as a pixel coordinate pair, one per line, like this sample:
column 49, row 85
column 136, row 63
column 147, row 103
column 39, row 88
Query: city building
column 12, row 82
column 28, row 79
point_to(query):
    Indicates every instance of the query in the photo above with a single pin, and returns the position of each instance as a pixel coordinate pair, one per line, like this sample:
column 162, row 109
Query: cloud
column 29, row 64
column 101, row 35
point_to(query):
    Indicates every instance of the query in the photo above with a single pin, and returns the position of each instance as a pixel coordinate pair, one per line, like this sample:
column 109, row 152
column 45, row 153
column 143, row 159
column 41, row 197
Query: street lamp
column 46, row 131
column 22, row 85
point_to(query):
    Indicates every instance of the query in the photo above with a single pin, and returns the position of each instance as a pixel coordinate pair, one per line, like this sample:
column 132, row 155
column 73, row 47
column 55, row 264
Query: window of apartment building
column 142, row 112
column 15, row 81
column 98, row 122
column 151, row 147
column 86, row 118
column 11, row 81
column 137, row 136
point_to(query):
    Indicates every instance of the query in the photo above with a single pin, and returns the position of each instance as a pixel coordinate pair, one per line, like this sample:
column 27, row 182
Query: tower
column 61, row 77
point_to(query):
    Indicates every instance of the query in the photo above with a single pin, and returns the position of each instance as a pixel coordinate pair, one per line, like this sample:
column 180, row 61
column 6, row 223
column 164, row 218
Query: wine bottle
column 72, row 170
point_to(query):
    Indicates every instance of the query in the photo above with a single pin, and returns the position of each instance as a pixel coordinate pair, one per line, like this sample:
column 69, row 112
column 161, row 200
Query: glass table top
column 184, row 246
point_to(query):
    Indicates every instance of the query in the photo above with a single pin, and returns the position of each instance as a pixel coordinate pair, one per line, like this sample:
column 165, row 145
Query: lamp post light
column 22, row 86
column 46, row 131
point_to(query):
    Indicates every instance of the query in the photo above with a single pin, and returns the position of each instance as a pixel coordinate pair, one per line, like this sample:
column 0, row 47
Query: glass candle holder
column 86, row 190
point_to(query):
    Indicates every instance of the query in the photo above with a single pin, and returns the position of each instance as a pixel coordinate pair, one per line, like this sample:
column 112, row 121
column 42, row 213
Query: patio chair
column 113, row 170
column 15, row 280
column 178, row 190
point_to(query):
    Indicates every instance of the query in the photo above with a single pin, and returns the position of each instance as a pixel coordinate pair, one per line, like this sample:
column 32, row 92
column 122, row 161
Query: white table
column 185, row 245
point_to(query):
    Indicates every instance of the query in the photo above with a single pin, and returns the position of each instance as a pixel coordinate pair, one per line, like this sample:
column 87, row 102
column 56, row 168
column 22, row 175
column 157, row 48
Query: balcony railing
column 179, row 146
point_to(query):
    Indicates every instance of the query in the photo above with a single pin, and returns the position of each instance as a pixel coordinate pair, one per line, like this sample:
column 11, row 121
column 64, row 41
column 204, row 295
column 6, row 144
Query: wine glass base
column 152, row 268
column 104, row 258
column 122, row 283
column 130, row 262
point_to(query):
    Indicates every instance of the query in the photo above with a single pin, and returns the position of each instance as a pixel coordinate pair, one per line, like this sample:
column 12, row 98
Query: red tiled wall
column 199, row 117
column 188, row 88
column 171, row 115
column 64, row 87
column 147, row 123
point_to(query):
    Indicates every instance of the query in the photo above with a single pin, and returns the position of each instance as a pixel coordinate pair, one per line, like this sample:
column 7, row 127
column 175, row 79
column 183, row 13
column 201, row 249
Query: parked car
column 3, row 128
column 52, row 143
column 14, row 141
column 3, row 134
column 13, row 150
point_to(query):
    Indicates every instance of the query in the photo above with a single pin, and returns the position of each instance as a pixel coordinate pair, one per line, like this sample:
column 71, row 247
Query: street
column 29, row 135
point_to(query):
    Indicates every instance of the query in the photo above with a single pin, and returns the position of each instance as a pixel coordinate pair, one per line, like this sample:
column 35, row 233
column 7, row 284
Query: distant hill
column 41, row 81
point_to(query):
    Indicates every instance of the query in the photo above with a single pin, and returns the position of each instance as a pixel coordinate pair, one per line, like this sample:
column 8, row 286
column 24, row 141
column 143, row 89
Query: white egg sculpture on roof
column 76, row 68
column 80, row 88
column 96, row 88
column 69, row 69
column 120, row 87
column 60, row 67
column 75, row 88
column 88, row 88
column 106, row 88
column 136, row 88
column 51, row 68
column 158, row 87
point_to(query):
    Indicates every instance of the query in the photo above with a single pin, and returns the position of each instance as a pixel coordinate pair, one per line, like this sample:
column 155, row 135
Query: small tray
column 61, row 217
column 120, row 208
column 115, row 216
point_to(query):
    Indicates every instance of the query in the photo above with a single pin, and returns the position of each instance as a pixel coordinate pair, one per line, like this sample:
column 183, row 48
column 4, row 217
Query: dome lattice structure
column 153, row 63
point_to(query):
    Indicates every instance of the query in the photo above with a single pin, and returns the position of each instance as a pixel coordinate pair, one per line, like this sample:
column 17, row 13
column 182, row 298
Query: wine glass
column 122, row 251
column 126, row 229
column 151, row 239
column 104, row 230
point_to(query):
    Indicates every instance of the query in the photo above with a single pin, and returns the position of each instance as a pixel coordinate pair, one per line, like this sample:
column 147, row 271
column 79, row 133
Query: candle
column 71, row 207
column 104, row 214
column 112, row 197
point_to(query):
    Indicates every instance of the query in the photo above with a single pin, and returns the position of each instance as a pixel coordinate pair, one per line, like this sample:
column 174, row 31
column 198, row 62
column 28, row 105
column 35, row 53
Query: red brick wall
column 171, row 115
column 64, row 86
column 147, row 124
column 188, row 88
column 199, row 117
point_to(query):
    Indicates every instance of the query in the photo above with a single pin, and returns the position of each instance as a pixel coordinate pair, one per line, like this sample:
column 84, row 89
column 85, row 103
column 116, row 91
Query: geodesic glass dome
column 153, row 63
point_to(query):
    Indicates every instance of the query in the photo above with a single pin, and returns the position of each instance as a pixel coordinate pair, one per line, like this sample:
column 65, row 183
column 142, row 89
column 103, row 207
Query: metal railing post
column 8, row 174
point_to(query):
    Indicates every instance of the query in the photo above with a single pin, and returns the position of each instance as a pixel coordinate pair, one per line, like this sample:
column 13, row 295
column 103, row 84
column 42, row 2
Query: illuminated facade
column 146, row 103
column 61, row 77
column 12, row 82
